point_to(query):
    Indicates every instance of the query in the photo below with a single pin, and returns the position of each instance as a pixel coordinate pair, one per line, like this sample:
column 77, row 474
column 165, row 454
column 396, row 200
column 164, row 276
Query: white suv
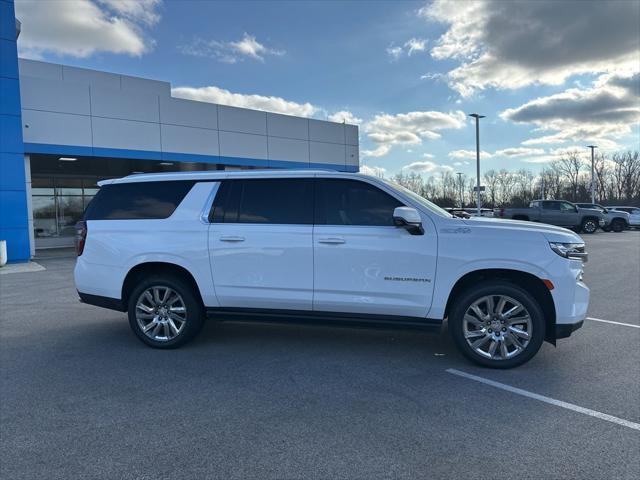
column 171, row 249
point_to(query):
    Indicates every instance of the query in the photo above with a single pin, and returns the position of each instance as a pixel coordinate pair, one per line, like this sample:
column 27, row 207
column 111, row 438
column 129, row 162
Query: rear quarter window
column 135, row 201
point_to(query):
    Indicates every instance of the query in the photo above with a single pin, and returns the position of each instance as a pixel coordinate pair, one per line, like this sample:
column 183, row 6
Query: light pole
column 593, row 181
column 460, row 188
column 477, row 117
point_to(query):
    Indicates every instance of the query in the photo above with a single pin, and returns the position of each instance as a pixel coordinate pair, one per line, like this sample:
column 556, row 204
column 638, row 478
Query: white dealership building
column 64, row 128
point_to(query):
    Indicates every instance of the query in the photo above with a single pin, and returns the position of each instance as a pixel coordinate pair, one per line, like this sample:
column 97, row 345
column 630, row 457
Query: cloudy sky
column 549, row 76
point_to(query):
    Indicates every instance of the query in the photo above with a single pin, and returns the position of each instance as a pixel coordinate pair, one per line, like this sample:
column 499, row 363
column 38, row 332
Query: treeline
column 617, row 179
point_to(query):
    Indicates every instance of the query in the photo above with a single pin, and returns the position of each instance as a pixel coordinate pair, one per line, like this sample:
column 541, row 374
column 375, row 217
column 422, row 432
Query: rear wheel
column 165, row 312
column 497, row 325
column 617, row 225
column 589, row 225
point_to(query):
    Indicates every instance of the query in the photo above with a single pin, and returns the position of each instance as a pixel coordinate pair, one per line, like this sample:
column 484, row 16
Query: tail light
column 81, row 237
column 501, row 212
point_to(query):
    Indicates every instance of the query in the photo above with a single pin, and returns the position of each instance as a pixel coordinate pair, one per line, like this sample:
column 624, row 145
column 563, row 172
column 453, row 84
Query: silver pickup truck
column 615, row 220
column 557, row 212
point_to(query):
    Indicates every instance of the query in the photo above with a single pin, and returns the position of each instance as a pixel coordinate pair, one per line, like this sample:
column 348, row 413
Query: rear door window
column 287, row 201
column 135, row 201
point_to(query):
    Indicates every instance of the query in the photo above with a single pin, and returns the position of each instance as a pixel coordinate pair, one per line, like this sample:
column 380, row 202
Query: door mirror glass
column 409, row 219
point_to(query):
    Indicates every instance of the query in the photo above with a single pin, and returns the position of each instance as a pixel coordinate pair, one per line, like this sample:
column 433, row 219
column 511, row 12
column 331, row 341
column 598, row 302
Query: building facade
column 63, row 128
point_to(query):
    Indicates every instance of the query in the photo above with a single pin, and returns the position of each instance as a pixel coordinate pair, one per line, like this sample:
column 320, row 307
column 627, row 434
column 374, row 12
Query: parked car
column 318, row 246
column 616, row 221
column 557, row 212
column 484, row 212
column 458, row 212
column 634, row 214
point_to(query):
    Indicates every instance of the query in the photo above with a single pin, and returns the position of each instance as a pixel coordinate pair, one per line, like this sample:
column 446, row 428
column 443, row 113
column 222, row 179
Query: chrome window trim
column 206, row 210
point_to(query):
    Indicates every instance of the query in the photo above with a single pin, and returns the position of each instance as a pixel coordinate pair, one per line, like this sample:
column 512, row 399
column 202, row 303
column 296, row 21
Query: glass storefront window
column 44, row 216
column 58, row 204
column 70, row 211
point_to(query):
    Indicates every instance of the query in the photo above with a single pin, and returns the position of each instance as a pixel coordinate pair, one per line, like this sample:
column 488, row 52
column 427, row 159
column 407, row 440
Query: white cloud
column 410, row 47
column 80, row 28
column 519, row 152
column 460, row 164
column 427, row 155
column 230, row 52
column 509, row 44
column 411, row 128
column 373, row 171
column 394, row 52
column 379, row 151
column 415, row 45
column 344, row 116
column 137, row 10
column 259, row 102
column 556, row 153
column 602, row 113
column 469, row 154
column 427, row 167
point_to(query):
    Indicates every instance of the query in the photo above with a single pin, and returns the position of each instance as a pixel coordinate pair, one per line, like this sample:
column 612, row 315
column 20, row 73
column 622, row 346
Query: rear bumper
column 104, row 302
column 565, row 330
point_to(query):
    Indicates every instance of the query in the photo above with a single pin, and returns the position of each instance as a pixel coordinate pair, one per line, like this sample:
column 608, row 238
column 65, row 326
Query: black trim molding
column 324, row 318
column 104, row 302
column 564, row 330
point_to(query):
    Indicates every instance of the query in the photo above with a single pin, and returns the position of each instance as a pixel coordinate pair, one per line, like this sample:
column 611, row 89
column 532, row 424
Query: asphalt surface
column 81, row 397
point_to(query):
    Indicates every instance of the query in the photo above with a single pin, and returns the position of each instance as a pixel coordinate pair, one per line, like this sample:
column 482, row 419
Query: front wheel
column 618, row 226
column 497, row 325
column 165, row 312
column 589, row 225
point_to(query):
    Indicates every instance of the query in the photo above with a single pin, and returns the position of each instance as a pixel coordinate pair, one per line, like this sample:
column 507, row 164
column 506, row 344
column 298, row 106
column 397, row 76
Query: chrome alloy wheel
column 590, row 226
column 497, row 327
column 161, row 313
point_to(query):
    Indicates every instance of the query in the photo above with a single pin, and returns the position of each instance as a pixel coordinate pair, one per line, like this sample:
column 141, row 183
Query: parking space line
column 552, row 401
column 614, row 323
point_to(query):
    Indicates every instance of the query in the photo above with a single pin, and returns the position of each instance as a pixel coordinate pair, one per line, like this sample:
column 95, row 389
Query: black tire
column 194, row 310
column 618, row 225
column 589, row 225
column 497, row 287
column 606, row 229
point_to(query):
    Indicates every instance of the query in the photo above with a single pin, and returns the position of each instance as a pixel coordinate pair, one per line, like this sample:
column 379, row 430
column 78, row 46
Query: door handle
column 332, row 240
column 231, row 238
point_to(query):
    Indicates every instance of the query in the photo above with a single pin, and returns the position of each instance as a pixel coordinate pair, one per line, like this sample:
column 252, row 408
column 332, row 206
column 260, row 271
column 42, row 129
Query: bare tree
column 617, row 181
column 627, row 174
column 491, row 183
column 569, row 166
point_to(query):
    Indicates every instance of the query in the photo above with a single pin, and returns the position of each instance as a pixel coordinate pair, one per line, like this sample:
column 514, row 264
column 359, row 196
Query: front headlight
column 574, row 251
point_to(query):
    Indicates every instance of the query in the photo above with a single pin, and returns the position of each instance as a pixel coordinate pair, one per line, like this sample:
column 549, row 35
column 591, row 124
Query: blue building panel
column 8, row 56
column 50, row 149
column 11, row 178
column 14, row 217
column 7, row 30
column 9, row 104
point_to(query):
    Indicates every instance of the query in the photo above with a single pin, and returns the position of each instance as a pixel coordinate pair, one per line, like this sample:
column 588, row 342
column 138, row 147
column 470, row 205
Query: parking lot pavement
column 81, row 397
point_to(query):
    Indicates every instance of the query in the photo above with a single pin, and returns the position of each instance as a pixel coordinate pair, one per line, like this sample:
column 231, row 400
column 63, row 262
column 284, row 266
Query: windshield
column 432, row 207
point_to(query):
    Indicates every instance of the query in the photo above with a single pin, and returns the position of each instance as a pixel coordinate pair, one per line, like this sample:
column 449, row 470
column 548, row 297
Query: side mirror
column 409, row 219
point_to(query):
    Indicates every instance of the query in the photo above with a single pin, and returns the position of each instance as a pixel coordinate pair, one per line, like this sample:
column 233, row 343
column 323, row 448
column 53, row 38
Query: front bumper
column 565, row 330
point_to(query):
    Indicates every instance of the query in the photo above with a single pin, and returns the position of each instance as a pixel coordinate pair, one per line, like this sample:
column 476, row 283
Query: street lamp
column 460, row 188
column 477, row 117
column 593, row 182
